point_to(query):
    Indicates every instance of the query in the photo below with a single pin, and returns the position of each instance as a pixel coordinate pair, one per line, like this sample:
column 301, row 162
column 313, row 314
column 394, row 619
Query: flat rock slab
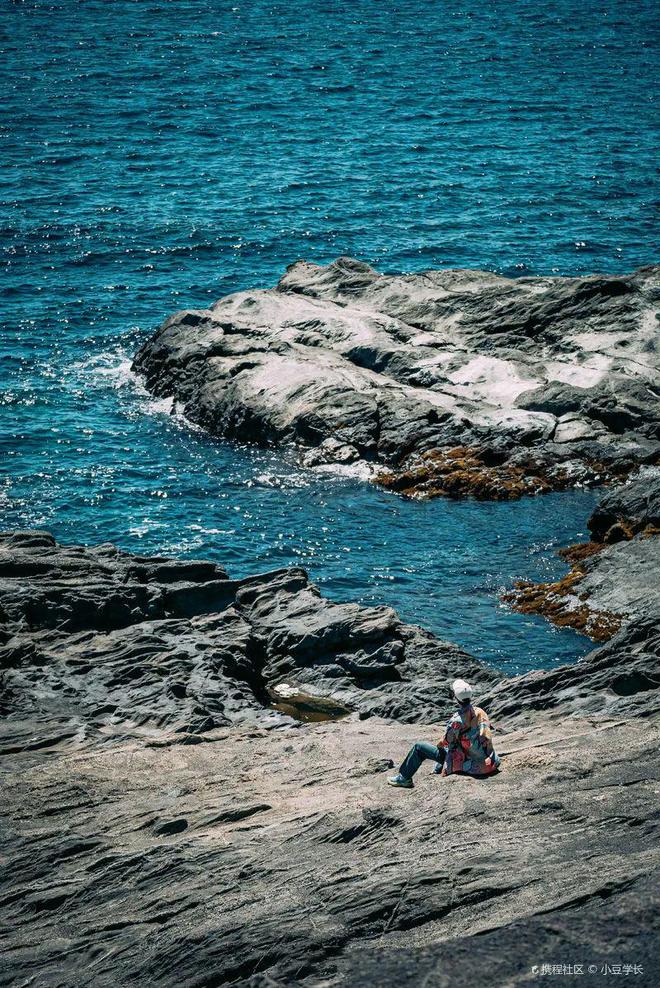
column 164, row 826
column 538, row 383
column 283, row 859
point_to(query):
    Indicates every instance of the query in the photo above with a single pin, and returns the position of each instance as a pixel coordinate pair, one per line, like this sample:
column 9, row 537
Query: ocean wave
column 355, row 471
column 113, row 370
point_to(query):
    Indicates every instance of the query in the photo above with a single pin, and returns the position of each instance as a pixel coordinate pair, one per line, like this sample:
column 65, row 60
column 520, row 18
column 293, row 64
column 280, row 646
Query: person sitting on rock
column 467, row 746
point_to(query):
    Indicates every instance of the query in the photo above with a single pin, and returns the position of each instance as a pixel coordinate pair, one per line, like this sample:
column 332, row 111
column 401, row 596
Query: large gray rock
column 632, row 507
column 615, row 578
column 624, row 579
column 546, row 381
column 163, row 826
column 622, row 678
column 109, row 640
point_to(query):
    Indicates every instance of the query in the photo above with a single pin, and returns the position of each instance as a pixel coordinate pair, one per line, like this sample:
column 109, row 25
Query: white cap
column 461, row 689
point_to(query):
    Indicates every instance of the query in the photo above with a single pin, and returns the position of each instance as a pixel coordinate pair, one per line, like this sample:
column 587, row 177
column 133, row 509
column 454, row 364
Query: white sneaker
column 400, row 782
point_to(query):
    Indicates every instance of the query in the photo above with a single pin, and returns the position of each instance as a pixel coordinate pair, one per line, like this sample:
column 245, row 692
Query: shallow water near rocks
column 116, row 466
column 161, row 155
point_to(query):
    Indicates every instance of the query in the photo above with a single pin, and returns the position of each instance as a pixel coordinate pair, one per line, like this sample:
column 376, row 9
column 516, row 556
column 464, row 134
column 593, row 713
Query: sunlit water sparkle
column 159, row 155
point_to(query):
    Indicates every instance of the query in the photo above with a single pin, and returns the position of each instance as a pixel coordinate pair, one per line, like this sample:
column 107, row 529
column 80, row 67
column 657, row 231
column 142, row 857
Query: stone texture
column 540, row 382
column 282, row 858
column 615, row 578
column 619, row 679
column 163, row 826
column 633, row 507
column 108, row 640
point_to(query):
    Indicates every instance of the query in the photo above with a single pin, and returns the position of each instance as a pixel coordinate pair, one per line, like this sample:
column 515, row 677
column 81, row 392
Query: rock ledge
column 441, row 383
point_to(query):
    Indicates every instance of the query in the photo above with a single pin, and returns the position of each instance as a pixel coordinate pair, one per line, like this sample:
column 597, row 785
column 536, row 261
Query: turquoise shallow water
column 157, row 155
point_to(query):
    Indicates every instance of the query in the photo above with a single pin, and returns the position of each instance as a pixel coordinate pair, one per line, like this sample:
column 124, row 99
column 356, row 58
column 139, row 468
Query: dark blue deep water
column 156, row 155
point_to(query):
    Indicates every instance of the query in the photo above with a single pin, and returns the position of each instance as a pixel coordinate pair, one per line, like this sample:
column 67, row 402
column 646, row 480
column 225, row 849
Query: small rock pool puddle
column 306, row 708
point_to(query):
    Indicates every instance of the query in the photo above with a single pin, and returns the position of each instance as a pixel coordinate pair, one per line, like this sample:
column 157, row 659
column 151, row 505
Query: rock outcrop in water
column 164, row 826
column 614, row 578
column 444, row 382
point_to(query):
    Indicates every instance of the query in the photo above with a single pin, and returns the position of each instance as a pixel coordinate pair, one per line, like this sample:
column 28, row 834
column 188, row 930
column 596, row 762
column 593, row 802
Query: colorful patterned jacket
column 468, row 742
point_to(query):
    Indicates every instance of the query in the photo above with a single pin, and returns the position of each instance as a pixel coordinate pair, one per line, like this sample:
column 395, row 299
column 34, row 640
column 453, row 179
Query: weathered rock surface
column 615, row 578
column 627, row 510
column 269, row 852
column 454, row 382
column 104, row 640
column 621, row 678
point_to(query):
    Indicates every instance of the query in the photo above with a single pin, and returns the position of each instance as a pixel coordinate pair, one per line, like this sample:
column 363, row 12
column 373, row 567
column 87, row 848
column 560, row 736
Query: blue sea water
column 157, row 155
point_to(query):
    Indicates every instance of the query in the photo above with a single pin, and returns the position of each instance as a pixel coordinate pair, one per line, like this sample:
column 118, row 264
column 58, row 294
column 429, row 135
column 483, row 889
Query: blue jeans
column 419, row 753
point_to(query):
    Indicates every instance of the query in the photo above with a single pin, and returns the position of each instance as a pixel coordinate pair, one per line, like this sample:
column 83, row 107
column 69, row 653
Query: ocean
column 156, row 156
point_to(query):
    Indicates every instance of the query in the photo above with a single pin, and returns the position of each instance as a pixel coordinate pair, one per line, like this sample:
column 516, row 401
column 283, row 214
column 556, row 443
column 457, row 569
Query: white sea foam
column 281, row 480
column 107, row 368
column 212, row 531
column 113, row 369
column 357, row 471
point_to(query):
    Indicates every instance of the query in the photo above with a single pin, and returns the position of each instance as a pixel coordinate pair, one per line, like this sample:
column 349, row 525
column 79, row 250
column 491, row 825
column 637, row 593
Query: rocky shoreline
column 194, row 766
column 615, row 576
column 166, row 824
column 443, row 383
column 125, row 642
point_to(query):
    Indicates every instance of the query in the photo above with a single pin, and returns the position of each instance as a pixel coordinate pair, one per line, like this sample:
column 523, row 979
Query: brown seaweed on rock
column 440, row 383
column 614, row 576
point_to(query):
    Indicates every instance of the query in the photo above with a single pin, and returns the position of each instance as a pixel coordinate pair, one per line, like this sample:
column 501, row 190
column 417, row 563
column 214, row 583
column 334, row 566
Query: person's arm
column 452, row 734
column 485, row 738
